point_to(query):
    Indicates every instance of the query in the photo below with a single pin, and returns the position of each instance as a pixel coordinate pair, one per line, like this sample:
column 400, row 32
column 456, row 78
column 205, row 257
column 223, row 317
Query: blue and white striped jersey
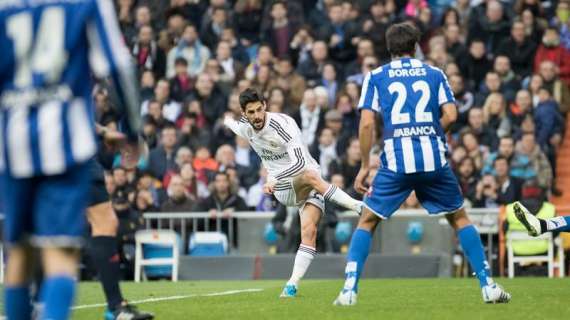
column 50, row 48
column 409, row 94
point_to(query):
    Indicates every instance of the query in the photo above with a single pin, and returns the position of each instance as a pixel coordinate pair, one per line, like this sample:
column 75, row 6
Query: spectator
column 170, row 108
column 232, row 68
column 147, row 85
column 301, row 45
column 548, row 121
column 239, row 53
column 204, row 164
column 349, row 164
column 181, row 83
column 212, row 32
column 550, row 49
column 520, row 165
column 495, row 115
column 464, row 99
column 467, row 178
column 485, row 135
column 560, row 90
column 535, row 83
column 492, row 27
column 534, row 28
column 520, row 49
column 476, row 64
column 213, row 103
column 454, row 45
column 256, row 198
column 150, row 131
column 183, row 156
column 508, row 187
column 329, row 81
column 190, row 48
column 365, row 48
column 369, row 63
column 310, row 117
column 146, row 182
column 312, row 68
column 147, row 53
column 226, row 159
column 288, row 80
column 264, row 58
column 492, row 84
column 280, row 31
column 510, row 83
column 337, row 32
column 528, row 147
column 520, row 108
column 222, row 201
column 468, row 140
column 161, row 158
column 195, row 189
column 334, row 121
column 324, row 150
column 248, row 15
column 374, row 27
column 245, row 155
column 486, row 193
column 144, row 202
column 178, row 199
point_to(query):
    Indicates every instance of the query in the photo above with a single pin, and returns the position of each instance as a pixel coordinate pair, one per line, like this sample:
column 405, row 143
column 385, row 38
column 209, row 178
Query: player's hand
column 269, row 188
column 359, row 182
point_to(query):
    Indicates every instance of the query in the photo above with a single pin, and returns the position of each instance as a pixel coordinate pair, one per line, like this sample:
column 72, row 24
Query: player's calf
column 310, row 217
column 58, row 288
column 18, row 275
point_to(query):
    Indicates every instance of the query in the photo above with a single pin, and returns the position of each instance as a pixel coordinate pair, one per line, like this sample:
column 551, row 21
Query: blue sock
column 560, row 224
column 17, row 303
column 470, row 241
column 357, row 254
column 57, row 295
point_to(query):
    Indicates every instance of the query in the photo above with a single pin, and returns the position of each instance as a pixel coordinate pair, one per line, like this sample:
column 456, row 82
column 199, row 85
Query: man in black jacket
column 519, row 49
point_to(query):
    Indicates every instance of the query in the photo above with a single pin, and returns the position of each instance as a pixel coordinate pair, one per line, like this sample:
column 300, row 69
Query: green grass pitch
column 533, row 298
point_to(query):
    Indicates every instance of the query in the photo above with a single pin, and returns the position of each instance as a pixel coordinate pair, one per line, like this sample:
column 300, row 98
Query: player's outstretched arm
column 236, row 126
column 449, row 115
column 366, row 137
column 109, row 57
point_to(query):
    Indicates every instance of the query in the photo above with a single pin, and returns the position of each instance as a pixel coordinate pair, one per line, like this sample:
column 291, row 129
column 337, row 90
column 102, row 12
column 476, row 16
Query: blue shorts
column 437, row 191
column 47, row 211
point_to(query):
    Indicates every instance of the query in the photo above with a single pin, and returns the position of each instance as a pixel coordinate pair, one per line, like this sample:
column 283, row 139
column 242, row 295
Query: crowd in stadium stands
column 508, row 63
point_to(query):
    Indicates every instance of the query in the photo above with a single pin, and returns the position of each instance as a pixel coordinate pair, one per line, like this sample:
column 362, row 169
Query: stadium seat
column 208, row 244
column 164, row 247
column 518, row 236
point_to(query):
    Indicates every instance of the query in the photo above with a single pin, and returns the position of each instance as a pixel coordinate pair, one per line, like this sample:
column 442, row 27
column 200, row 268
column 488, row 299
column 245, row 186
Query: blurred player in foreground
column 417, row 106
column 294, row 177
column 49, row 48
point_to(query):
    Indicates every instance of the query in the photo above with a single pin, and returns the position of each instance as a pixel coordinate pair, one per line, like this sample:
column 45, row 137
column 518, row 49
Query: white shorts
column 286, row 195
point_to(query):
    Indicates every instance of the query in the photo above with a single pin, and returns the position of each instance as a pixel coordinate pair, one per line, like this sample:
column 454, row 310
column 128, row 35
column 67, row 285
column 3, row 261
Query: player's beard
column 258, row 124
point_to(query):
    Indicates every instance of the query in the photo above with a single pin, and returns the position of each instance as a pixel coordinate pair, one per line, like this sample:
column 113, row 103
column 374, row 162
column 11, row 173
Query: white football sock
column 336, row 195
column 303, row 260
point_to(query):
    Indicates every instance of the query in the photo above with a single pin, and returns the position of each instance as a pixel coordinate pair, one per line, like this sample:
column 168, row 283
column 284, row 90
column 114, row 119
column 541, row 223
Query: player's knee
column 311, row 177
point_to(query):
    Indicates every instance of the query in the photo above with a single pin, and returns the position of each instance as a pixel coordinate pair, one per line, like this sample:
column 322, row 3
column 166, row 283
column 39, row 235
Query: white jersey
column 279, row 145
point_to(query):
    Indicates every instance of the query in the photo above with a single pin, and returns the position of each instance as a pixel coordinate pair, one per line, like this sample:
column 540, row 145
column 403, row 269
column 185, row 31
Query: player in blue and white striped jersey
column 417, row 106
column 49, row 50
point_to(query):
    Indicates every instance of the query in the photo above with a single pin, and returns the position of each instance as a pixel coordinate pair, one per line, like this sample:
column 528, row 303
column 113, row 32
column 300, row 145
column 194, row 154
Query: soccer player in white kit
column 293, row 175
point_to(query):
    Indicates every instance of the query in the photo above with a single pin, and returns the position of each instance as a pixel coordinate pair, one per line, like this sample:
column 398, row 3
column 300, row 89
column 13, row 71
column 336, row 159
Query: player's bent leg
column 17, row 282
column 329, row 191
column 58, row 287
column 105, row 257
column 310, row 216
column 356, row 258
column 470, row 241
column 536, row 226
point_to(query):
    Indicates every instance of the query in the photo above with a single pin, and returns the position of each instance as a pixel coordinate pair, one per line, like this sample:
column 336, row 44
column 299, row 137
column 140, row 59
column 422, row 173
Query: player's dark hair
column 402, row 38
column 249, row 95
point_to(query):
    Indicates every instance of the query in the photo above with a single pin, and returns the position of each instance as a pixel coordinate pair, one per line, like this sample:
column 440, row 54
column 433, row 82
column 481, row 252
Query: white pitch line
column 214, row 294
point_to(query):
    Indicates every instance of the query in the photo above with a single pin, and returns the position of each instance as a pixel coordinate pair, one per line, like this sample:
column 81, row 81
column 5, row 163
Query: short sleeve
column 445, row 95
column 369, row 95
